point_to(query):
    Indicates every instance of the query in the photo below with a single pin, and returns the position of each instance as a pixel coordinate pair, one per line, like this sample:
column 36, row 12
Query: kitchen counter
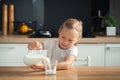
column 25, row 39
column 75, row 73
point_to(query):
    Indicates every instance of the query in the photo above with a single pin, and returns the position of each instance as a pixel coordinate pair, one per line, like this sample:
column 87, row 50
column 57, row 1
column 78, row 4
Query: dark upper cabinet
column 56, row 11
column 102, row 5
column 52, row 13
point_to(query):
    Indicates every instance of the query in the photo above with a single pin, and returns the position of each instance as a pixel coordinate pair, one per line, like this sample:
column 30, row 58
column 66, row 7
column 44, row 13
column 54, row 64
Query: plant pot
column 111, row 31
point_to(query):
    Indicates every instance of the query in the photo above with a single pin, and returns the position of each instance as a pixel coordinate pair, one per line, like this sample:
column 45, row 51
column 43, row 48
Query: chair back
column 82, row 61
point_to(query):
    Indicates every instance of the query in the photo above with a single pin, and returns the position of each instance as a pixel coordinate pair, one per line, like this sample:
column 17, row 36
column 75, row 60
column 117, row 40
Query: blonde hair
column 72, row 23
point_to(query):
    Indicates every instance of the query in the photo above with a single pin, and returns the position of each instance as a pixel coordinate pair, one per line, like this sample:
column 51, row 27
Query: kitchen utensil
column 4, row 19
column 11, row 19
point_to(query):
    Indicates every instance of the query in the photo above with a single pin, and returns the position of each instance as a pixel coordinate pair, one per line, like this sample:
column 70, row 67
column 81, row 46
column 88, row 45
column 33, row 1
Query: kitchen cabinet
column 12, row 54
column 100, row 54
column 95, row 51
column 112, row 55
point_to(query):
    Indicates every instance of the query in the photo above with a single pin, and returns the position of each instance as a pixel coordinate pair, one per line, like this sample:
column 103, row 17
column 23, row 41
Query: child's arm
column 60, row 66
column 67, row 63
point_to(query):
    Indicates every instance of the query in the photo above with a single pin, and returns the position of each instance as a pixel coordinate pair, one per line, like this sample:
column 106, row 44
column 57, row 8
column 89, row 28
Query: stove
column 40, row 34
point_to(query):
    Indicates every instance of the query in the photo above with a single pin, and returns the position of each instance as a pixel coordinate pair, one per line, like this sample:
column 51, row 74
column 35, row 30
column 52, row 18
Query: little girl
column 63, row 49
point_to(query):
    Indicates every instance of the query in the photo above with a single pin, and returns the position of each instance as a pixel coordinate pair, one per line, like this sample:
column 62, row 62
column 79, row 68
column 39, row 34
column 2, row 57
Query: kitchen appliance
column 24, row 27
column 40, row 34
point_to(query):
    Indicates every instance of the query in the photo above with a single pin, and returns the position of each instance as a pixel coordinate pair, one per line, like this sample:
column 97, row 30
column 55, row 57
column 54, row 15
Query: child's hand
column 36, row 67
column 40, row 66
column 34, row 45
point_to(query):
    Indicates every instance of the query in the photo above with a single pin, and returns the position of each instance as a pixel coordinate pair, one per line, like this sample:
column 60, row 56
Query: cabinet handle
column 111, row 47
column 7, row 47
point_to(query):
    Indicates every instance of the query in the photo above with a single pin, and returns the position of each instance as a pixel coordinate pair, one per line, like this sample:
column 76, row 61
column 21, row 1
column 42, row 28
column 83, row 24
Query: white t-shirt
column 56, row 53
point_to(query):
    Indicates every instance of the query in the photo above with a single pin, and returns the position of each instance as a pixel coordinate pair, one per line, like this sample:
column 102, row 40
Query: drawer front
column 12, row 54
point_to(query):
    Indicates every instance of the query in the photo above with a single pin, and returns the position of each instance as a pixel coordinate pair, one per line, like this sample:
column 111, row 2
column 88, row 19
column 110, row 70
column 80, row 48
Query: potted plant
column 110, row 22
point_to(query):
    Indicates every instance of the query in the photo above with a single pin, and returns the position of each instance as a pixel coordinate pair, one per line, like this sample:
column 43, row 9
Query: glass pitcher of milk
column 35, row 57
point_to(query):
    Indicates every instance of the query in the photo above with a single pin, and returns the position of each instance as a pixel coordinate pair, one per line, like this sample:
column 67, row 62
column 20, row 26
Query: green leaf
column 110, row 20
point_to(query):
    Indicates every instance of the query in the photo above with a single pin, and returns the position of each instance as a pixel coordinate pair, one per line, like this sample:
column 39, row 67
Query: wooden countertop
column 25, row 39
column 75, row 73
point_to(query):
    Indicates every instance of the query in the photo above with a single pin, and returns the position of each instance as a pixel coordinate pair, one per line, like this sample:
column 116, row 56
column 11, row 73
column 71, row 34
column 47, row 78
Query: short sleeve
column 72, row 51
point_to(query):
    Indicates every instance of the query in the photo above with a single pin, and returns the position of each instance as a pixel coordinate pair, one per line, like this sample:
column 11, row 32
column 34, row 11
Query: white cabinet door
column 95, row 51
column 12, row 54
column 112, row 55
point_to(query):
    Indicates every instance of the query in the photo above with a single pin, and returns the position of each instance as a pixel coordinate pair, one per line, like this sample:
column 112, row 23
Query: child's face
column 67, row 38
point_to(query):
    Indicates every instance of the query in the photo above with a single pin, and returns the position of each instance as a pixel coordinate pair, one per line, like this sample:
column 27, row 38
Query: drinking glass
column 50, row 68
